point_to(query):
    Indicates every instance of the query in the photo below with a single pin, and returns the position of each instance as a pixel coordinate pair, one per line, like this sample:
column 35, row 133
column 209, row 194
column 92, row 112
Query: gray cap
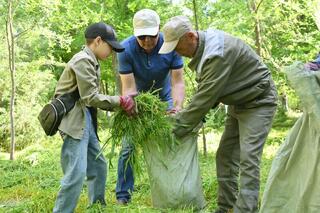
column 173, row 30
column 146, row 22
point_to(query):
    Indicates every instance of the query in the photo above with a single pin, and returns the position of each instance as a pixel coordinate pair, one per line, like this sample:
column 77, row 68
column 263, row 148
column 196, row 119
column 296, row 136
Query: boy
column 79, row 127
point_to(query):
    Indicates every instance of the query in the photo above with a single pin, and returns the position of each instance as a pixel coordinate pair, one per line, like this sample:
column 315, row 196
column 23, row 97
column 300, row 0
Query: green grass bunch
column 150, row 125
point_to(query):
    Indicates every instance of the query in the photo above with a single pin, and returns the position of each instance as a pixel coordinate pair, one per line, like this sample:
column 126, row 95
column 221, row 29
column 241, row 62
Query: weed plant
column 149, row 125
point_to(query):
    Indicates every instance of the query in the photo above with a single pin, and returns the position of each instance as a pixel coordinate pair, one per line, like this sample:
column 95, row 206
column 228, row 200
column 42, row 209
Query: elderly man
column 141, row 68
column 229, row 72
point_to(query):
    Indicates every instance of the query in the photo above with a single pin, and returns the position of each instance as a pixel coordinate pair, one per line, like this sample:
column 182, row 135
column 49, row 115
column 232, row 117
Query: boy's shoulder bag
column 52, row 113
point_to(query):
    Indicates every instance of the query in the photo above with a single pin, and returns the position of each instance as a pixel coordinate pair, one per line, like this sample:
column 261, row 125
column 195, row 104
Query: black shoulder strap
column 75, row 95
column 69, row 99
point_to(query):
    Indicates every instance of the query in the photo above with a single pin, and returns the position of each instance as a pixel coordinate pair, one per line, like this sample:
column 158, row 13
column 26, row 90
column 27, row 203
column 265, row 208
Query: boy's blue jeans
column 78, row 160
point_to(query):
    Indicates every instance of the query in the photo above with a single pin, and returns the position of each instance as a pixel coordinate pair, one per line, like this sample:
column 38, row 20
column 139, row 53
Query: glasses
column 143, row 37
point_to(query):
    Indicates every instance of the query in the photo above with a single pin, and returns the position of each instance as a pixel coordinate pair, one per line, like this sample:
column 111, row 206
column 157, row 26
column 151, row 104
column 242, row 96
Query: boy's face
column 102, row 50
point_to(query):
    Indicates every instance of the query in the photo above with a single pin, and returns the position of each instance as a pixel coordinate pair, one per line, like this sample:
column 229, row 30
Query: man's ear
column 190, row 35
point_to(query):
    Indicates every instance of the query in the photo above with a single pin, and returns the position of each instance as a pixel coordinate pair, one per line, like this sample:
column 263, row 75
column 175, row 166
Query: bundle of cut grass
column 150, row 125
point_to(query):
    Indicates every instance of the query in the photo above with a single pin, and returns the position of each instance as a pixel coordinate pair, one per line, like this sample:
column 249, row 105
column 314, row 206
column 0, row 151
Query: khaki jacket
column 229, row 72
column 82, row 72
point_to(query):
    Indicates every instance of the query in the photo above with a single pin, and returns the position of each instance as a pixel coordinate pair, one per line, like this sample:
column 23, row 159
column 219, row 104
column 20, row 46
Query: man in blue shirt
column 141, row 68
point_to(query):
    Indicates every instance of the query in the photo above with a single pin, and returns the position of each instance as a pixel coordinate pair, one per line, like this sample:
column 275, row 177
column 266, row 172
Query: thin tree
column 195, row 13
column 254, row 8
column 10, row 43
column 204, row 139
column 118, row 85
column 103, row 83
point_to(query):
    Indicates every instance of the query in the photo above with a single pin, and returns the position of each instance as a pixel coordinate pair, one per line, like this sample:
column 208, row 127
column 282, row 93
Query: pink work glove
column 174, row 110
column 128, row 104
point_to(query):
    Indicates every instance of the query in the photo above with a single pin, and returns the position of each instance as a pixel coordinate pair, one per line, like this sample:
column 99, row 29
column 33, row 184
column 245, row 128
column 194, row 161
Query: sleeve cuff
column 115, row 101
column 125, row 72
column 177, row 67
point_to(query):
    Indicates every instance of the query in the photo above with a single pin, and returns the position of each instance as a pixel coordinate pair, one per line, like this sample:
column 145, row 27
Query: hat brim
column 168, row 46
column 152, row 31
column 116, row 46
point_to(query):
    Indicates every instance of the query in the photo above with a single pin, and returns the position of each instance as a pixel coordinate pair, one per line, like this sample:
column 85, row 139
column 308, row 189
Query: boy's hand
column 128, row 104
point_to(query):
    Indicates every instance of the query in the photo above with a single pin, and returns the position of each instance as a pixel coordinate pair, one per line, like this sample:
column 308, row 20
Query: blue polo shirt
column 151, row 71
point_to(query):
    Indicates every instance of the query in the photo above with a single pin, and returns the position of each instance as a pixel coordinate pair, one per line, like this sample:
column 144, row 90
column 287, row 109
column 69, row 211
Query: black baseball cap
column 106, row 32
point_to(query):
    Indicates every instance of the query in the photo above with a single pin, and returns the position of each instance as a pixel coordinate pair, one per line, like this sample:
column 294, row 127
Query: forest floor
column 31, row 182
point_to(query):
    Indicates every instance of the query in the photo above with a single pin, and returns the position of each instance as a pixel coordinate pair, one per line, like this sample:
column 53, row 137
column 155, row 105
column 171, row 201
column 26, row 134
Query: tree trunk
column 118, row 90
column 258, row 36
column 10, row 42
column 101, row 87
column 195, row 14
column 254, row 8
column 203, row 127
column 284, row 101
column 204, row 142
column 102, row 10
column 106, row 87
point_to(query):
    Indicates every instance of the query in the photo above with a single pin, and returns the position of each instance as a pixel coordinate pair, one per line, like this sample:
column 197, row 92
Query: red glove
column 172, row 111
column 128, row 104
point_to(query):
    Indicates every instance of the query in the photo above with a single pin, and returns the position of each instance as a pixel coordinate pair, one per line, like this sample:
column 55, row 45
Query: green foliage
column 215, row 119
column 34, row 89
column 48, row 33
column 288, row 28
column 150, row 125
column 282, row 122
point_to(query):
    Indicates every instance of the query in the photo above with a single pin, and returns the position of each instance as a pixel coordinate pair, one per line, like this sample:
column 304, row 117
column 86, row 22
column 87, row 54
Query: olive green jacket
column 227, row 71
column 82, row 72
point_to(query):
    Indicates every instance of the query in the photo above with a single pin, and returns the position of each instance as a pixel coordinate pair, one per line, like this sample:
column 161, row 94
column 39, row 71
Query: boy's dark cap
column 106, row 32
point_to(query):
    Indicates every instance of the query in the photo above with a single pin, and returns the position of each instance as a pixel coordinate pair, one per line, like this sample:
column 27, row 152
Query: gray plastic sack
column 175, row 175
column 293, row 185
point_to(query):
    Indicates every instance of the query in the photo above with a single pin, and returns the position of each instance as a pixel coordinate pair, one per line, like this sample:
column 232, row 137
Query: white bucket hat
column 146, row 22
